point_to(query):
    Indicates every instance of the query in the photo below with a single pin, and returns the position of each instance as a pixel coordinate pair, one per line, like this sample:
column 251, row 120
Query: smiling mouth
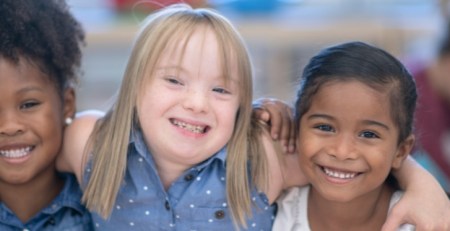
column 339, row 174
column 192, row 128
column 16, row 153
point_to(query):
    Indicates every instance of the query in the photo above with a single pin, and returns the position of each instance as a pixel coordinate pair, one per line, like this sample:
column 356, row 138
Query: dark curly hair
column 44, row 33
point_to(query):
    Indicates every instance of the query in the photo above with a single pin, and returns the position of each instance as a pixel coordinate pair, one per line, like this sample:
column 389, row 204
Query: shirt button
column 167, row 205
column 219, row 214
column 51, row 221
column 188, row 177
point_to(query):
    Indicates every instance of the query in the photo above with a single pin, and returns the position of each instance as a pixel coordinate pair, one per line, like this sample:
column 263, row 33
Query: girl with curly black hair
column 40, row 53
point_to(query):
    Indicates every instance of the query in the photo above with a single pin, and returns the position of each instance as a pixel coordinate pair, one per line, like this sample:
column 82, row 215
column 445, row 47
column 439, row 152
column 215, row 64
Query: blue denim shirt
column 65, row 213
column 195, row 201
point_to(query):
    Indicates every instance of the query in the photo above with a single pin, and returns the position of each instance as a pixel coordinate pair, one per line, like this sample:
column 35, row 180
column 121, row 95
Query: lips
column 199, row 129
column 15, row 153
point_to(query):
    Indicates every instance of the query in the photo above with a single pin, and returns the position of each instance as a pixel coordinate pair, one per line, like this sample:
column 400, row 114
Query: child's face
column 187, row 112
column 30, row 123
column 348, row 140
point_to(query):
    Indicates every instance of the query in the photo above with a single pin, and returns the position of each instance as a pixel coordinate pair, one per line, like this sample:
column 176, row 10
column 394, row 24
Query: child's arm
column 279, row 116
column 424, row 204
column 75, row 139
column 284, row 169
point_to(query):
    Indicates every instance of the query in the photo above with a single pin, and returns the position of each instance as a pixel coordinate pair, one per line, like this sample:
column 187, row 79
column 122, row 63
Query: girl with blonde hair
column 175, row 151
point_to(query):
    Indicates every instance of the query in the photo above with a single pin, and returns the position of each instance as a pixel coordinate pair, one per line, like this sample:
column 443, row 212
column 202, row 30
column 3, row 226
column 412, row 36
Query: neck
column 169, row 172
column 367, row 212
column 27, row 199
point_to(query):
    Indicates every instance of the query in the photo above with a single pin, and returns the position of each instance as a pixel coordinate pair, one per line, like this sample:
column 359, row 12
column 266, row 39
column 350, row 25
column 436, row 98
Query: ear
column 69, row 103
column 403, row 151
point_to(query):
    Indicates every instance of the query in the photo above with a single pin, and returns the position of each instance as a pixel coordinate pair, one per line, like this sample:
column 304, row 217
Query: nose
column 10, row 124
column 196, row 100
column 343, row 147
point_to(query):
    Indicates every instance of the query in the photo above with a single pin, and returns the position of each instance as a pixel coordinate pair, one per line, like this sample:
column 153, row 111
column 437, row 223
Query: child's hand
column 424, row 203
column 433, row 217
column 279, row 116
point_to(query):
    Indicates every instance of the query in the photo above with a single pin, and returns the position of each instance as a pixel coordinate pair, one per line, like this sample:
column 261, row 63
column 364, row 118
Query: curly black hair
column 45, row 33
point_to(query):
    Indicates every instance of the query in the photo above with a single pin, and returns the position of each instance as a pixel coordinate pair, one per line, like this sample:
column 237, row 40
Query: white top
column 293, row 206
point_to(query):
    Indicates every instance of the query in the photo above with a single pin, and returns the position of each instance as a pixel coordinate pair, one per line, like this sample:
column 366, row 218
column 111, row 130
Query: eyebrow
column 320, row 116
column 365, row 122
column 32, row 88
column 376, row 123
column 181, row 69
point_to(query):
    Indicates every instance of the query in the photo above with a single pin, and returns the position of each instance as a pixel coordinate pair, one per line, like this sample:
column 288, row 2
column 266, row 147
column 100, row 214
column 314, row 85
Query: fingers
column 287, row 133
column 279, row 116
column 277, row 123
column 397, row 218
column 292, row 135
column 261, row 114
column 392, row 222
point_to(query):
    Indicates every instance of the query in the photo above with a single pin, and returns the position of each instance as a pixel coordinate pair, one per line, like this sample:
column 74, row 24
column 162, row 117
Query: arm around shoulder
column 424, row 204
column 75, row 140
column 284, row 168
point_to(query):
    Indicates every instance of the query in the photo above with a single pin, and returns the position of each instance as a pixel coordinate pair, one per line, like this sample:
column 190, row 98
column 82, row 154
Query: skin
column 429, row 199
column 348, row 144
column 31, row 129
column 198, row 109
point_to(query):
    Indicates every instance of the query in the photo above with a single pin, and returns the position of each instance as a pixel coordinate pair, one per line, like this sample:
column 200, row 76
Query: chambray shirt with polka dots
column 195, row 201
column 65, row 213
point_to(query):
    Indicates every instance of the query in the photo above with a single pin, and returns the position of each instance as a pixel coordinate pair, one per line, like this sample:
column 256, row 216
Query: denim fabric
column 195, row 201
column 65, row 213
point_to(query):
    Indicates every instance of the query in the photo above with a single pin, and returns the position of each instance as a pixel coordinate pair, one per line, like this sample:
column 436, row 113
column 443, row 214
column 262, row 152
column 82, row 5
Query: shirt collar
column 69, row 196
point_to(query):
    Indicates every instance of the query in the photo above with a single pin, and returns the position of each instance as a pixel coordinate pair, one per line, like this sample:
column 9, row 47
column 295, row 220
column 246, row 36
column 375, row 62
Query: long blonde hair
column 111, row 135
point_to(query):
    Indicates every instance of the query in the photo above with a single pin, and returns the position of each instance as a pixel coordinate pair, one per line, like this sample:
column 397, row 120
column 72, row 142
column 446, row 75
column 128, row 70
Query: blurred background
column 281, row 34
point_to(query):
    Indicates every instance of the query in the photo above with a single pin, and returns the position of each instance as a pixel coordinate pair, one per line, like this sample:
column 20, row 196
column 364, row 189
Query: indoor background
column 281, row 35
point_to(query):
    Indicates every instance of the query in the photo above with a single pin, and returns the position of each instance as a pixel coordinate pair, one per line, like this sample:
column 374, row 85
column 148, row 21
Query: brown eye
column 324, row 127
column 29, row 104
column 369, row 134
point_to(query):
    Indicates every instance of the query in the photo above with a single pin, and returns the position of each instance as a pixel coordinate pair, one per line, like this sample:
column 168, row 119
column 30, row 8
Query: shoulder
column 76, row 137
column 292, row 196
column 394, row 199
column 292, row 210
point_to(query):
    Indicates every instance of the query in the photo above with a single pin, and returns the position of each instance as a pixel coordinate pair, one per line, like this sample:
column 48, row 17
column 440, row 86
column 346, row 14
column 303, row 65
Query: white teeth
column 17, row 153
column 190, row 127
column 340, row 175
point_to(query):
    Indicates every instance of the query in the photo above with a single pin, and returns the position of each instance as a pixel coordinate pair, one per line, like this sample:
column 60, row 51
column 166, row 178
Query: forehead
column 353, row 100
column 21, row 73
column 202, row 52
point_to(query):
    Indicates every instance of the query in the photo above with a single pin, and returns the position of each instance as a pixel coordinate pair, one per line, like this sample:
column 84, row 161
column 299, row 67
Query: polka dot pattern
column 197, row 199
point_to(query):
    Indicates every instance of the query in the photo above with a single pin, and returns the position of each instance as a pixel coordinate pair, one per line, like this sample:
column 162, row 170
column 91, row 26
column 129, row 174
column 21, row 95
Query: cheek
column 306, row 143
column 381, row 161
column 227, row 117
column 306, row 149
